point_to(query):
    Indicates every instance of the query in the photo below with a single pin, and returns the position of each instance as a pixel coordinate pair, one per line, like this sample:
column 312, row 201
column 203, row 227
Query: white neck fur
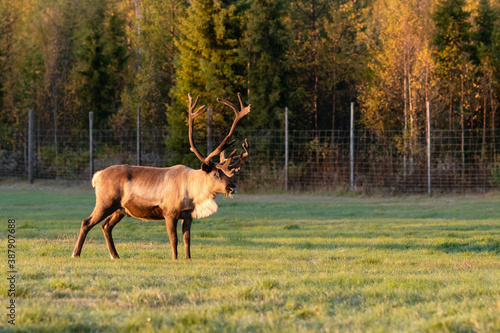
column 204, row 208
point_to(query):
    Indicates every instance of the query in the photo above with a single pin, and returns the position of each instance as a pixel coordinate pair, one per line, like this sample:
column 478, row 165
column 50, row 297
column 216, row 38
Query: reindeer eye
column 216, row 174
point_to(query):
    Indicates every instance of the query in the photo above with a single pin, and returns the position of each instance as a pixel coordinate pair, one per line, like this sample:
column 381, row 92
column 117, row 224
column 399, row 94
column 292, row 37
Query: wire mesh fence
column 318, row 160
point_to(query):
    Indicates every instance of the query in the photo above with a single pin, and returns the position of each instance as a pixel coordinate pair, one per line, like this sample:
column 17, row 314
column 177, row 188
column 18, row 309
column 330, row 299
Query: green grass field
column 262, row 263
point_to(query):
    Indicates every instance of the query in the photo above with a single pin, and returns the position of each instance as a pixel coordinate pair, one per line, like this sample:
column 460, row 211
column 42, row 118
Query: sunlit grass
column 262, row 263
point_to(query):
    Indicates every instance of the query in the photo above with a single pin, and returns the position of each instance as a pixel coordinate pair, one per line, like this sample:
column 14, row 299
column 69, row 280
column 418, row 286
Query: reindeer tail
column 95, row 177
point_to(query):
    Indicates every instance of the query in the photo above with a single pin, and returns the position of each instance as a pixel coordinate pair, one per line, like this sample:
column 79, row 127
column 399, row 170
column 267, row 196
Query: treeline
column 64, row 58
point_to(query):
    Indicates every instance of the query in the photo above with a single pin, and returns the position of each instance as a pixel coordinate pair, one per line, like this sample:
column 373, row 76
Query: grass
column 262, row 263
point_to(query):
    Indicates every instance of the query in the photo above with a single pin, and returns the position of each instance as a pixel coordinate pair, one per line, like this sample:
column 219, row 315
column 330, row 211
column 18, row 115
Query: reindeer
column 172, row 193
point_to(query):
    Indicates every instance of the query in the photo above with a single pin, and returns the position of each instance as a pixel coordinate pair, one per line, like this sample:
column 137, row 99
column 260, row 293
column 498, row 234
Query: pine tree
column 452, row 37
column 5, row 27
column 7, row 20
column 453, row 51
column 209, row 65
column 101, row 54
column 151, row 73
column 485, row 23
column 454, row 54
column 266, row 46
column 344, row 54
column 307, row 19
column 483, row 38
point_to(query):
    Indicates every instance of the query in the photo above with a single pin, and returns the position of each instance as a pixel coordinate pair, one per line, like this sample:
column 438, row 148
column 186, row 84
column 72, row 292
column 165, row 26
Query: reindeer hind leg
column 107, row 228
column 97, row 216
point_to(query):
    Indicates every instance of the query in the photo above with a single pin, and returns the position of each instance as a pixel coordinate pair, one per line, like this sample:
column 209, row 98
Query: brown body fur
column 148, row 193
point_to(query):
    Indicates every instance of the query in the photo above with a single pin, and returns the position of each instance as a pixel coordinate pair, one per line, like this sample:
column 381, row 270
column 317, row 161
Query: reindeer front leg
column 186, row 232
column 171, row 224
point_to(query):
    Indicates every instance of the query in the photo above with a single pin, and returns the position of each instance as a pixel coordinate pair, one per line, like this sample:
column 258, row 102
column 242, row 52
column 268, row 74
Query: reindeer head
column 219, row 174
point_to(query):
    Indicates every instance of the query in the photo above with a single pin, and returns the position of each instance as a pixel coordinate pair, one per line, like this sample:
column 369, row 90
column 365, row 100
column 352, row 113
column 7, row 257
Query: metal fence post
column 286, row 149
column 31, row 148
column 351, row 155
column 139, row 135
column 91, row 143
column 429, row 188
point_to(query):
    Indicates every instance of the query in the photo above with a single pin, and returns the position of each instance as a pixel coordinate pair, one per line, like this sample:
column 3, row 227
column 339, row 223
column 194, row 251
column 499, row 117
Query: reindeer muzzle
column 231, row 189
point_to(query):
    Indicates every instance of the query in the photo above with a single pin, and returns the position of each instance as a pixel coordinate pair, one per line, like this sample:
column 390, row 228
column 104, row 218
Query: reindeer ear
column 207, row 167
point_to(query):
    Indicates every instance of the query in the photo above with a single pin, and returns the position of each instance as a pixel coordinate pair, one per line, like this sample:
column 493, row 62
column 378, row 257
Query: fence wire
column 318, row 160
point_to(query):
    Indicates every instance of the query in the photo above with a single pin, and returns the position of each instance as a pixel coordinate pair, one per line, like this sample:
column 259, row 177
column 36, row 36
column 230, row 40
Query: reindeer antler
column 230, row 165
column 192, row 115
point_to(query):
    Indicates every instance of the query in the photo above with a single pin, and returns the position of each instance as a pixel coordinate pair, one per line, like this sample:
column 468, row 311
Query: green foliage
column 495, row 174
column 64, row 58
column 67, row 161
column 485, row 23
column 31, row 78
column 307, row 19
column 207, row 65
column 266, row 46
column 344, row 54
column 100, row 56
column 452, row 37
column 5, row 31
column 151, row 76
column 208, row 62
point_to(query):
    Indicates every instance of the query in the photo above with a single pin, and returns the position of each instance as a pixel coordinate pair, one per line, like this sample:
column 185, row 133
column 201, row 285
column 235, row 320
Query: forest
column 64, row 58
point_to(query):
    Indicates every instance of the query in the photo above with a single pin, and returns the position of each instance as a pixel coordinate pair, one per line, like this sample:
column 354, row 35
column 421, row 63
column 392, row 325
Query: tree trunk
column 412, row 124
column 172, row 45
column 334, row 103
column 54, row 108
column 483, row 149
column 405, row 102
column 493, row 111
column 462, row 126
column 314, row 39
